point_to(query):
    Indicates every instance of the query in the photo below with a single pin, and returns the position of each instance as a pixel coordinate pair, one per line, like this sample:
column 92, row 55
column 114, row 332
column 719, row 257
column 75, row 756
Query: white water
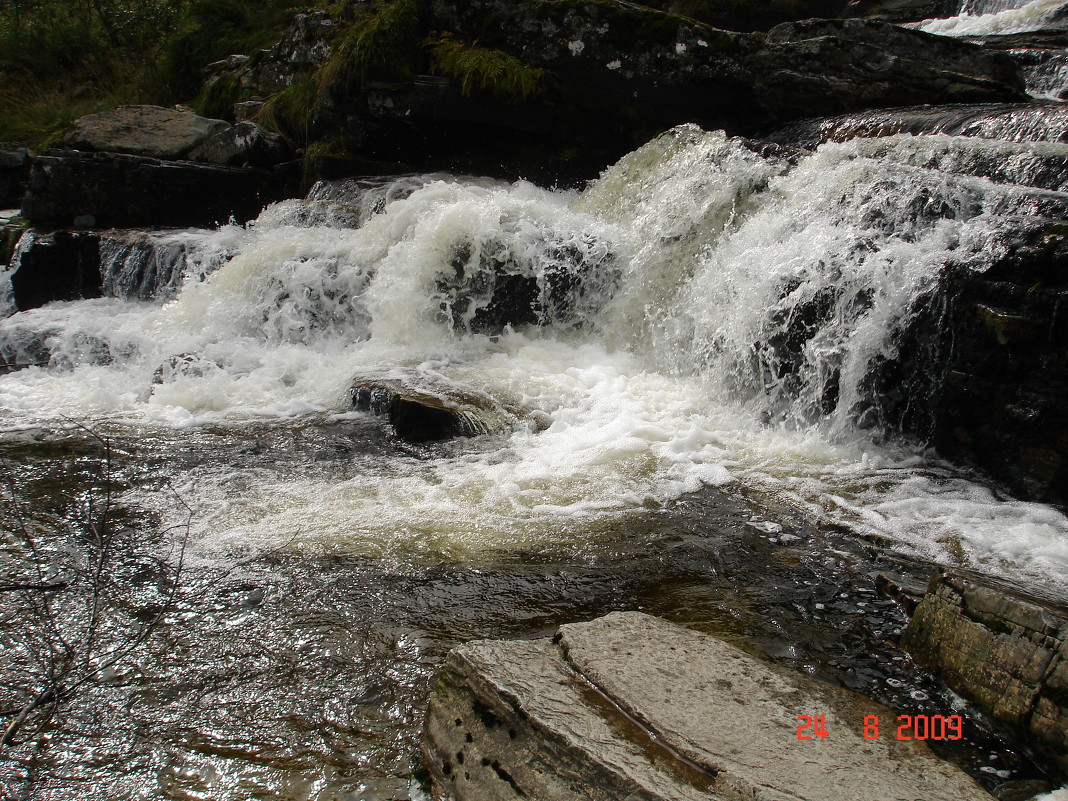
column 996, row 18
column 668, row 373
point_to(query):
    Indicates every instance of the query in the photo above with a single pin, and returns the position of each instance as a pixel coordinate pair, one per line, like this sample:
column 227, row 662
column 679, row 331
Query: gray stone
column 1005, row 651
column 421, row 409
column 247, row 110
column 632, row 707
column 153, row 131
column 244, row 144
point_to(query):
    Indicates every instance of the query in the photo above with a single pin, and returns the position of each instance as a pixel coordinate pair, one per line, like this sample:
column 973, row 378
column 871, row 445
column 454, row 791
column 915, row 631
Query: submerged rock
column 1005, row 651
column 630, row 706
column 422, row 409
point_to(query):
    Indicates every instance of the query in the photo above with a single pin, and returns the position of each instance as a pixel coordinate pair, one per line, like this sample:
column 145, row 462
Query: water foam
column 1032, row 16
column 731, row 308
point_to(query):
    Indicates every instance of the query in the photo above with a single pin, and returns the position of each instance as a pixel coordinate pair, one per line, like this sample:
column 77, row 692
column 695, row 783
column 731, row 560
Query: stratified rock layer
column 630, row 706
column 1006, row 652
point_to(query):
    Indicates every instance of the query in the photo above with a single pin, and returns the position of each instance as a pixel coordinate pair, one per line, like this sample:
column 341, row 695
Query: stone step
column 633, row 707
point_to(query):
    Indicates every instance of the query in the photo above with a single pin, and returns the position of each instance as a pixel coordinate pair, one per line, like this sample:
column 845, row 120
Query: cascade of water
column 704, row 313
column 994, row 17
column 1034, row 122
column 145, row 265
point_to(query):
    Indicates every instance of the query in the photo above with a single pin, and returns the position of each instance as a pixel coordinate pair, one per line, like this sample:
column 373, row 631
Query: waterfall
column 708, row 312
column 994, row 17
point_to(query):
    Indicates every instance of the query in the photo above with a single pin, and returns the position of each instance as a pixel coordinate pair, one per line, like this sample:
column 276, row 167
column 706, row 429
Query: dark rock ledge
column 633, row 707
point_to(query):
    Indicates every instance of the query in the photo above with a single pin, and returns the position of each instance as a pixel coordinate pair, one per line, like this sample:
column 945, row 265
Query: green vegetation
column 382, row 45
column 61, row 59
column 289, row 111
column 473, row 67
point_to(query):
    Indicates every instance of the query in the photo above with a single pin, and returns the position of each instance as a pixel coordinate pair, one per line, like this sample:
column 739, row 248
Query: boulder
column 120, row 190
column 630, row 706
column 1004, row 650
column 152, row 131
column 14, row 171
column 303, row 47
column 422, row 409
column 62, row 265
column 245, row 144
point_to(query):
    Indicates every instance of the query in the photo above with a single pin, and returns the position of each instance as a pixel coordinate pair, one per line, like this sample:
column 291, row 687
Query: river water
column 674, row 448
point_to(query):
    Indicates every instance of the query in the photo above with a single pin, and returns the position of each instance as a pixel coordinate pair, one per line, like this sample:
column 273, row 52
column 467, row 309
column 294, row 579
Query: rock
column 62, row 265
column 1005, row 651
column 134, row 191
column 630, row 706
column 1013, row 122
column 152, row 131
column 11, row 230
column 14, row 172
column 422, row 409
column 305, row 45
column 622, row 73
column 245, row 144
column 898, row 11
column 247, row 110
column 612, row 76
column 1004, row 334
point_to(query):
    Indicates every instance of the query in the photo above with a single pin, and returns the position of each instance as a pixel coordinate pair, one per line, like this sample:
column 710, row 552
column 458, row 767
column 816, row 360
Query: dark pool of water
column 299, row 675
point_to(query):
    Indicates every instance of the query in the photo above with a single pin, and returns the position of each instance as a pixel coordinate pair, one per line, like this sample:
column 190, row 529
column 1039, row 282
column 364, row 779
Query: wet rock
column 62, row 265
column 14, row 172
column 1005, row 339
column 121, row 190
column 1013, row 122
column 422, row 408
column 152, row 131
column 183, row 365
column 12, row 227
column 630, row 706
column 898, row 11
column 1005, row 651
column 245, row 144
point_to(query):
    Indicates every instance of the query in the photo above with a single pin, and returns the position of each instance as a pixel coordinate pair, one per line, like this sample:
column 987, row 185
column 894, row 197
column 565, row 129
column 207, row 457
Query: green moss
column 218, row 97
column 480, row 68
column 289, row 111
column 382, row 45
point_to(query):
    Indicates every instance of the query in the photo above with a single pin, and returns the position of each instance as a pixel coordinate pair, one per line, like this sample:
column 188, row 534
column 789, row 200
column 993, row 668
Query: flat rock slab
column 633, row 707
column 153, row 131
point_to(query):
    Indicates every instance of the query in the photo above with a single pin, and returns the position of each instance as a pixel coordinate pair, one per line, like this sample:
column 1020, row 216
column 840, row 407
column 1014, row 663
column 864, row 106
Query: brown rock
column 1005, row 651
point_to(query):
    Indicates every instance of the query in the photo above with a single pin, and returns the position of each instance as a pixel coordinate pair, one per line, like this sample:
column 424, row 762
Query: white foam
column 673, row 385
column 1032, row 16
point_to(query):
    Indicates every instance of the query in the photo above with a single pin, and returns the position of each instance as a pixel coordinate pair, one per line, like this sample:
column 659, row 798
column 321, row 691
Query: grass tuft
column 480, row 68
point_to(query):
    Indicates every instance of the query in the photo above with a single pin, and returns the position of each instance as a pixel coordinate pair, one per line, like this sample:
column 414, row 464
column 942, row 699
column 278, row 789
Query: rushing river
column 668, row 452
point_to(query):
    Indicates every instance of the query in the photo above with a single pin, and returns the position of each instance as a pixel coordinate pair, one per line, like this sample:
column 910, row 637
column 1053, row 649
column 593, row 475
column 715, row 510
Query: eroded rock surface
column 1006, row 652
column 630, row 706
